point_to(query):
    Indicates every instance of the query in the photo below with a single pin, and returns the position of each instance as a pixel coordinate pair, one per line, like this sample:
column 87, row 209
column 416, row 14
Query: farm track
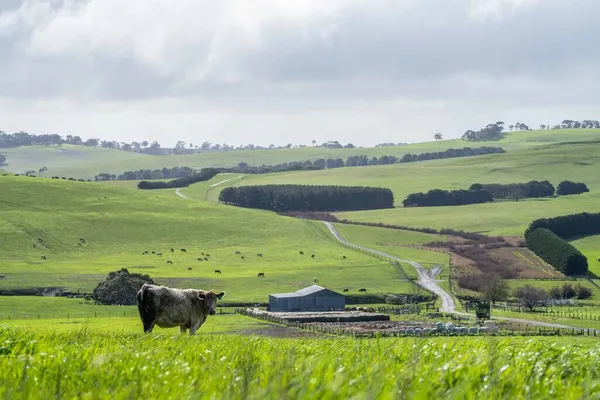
column 431, row 284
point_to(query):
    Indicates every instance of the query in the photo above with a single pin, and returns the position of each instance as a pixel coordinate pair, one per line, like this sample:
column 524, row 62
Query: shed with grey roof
column 313, row 298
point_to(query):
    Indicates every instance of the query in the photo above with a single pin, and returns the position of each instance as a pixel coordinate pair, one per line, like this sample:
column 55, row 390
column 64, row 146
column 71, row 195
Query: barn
column 312, row 298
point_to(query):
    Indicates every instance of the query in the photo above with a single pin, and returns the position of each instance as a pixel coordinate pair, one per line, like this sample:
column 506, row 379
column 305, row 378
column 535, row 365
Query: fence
column 116, row 314
column 568, row 313
column 510, row 330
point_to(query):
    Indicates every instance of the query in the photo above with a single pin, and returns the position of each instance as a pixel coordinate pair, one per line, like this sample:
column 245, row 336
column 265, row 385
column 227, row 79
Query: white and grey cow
column 168, row 307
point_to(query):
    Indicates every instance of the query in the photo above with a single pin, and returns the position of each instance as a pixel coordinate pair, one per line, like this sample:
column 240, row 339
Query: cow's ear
column 201, row 295
column 220, row 295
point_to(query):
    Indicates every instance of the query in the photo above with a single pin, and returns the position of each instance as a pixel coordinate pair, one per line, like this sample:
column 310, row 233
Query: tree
column 314, row 143
column 145, row 144
column 495, row 289
column 530, row 297
column 180, row 145
column 120, row 287
column 437, row 136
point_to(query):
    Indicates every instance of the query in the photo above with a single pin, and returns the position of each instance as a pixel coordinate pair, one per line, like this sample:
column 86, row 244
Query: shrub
column 283, row 198
column 583, row 292
column 522, row 190
column 566, row 291
column 566, row 188
column 438, row 197
column 120, row 287
column 204, row 175
column 557, row 252
column 530, row 297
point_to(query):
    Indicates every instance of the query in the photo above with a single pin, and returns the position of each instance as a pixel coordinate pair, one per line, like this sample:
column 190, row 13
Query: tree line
column 282, row 198
column 532, row 189
column 438, row 197
column 495, row 131
column 569, row 226
column 556, row 251
column 307, row 165
column 205, row 174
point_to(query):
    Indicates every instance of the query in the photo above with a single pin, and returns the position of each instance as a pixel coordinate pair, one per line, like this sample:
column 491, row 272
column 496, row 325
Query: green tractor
column 482, row 310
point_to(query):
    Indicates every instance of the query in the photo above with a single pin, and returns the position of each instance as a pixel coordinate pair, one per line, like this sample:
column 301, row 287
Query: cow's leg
column 183, row 328
column 195, row 326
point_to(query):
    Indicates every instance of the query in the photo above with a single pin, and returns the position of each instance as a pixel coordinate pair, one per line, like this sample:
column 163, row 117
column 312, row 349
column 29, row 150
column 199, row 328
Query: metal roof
column 299, row 293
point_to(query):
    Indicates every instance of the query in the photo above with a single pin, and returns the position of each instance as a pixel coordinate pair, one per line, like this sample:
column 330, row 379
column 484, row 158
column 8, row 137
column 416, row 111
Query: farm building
column 312, row 298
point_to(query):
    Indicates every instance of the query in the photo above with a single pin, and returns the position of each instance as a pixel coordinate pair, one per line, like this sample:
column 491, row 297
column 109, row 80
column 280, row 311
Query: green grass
column 80, row 161
column 590, row 247
column 550, row 284
column 88, row 364
column 395, row 242
column 119, row 224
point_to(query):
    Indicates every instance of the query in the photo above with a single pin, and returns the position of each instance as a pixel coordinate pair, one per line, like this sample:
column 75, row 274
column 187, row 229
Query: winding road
column 426, row 281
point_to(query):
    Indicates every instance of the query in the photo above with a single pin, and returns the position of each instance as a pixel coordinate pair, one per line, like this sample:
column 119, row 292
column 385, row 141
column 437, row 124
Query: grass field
column 119, row 224
column 590, row 247
column 90, row 365
column 84, row 162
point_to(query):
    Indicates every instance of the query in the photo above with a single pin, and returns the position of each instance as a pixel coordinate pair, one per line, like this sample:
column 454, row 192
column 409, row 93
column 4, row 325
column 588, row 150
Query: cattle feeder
column 314, row 298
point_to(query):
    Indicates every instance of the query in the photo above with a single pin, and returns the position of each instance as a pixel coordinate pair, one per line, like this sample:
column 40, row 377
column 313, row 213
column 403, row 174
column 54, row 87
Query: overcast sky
column 273, row 71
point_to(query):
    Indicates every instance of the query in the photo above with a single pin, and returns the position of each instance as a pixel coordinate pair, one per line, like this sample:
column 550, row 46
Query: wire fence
column 80, row 315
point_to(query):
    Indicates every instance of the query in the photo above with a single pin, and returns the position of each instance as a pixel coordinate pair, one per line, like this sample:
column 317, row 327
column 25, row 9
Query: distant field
column 590, row 247
column 119, row 224
column 80, row 161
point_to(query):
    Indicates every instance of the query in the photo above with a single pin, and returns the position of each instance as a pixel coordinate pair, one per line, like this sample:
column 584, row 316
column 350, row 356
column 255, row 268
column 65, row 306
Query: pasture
column 85, row 162
column 120, row 224
column 86, row 364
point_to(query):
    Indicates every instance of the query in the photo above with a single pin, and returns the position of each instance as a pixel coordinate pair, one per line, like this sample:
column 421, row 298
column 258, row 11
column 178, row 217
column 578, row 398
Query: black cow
column 243, row 258
column 202, row 253
column 43, row 257
column 153, row 252
column 172, row 250
column 34, row 245
column 82, row 240
column 345, row 290
column 301, row 253
column 362, row 290
column 159, row 254
column 343, row 257
column 260, row 274
column 205, row 259
column 238, row 252
column 40, row 240
column 313, row 256
column 184, row 250
column 2, row 276
column 189, row 268
column 207, row 255
column 599, row 260
column 259, row 255
column 217, row 271
column 169, row 262
column 199, row 258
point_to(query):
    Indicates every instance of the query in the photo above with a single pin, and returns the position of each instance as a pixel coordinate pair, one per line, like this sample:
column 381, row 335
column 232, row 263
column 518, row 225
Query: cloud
column 272, row 59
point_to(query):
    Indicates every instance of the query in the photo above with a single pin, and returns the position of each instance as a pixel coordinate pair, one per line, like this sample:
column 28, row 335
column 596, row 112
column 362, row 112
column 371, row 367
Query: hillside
column 85, row 162
column 119, row 224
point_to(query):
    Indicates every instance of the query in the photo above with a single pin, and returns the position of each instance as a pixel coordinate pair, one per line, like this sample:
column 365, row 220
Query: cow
column 599, row 260
column 345, row 290
column 34, row 246
column 153, row 252
column 169, row 262
column 259, row 255
column 159, row 254
column 243, row 258
column 343, row 257
column 199, row 258
column 301, row 253
column 238, row 252
column 207, row 255
column 2, row 276
column 189, row 268
column 202, row 253
column 172, row 250
column 82, row 240
column 169, row 308
column 183, row 250
column 315, row 280
column 260, row 274
column 43, row 257
column 217, row 271
column 205, row 259
column 362, row 290
column 313, row 256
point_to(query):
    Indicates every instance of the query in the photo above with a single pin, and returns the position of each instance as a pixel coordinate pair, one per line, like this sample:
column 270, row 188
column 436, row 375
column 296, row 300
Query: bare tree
column 437, row 136
column 495, row 289
column 530, row 297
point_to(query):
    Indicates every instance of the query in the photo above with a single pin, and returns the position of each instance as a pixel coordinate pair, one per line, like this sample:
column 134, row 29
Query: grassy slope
column 590, row 247
column 125, row 365
column 120, row 223
column 578, row 162
column 78, row 161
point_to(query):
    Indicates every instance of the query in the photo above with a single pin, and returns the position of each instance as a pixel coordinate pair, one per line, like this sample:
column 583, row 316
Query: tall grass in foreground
column 90, row 365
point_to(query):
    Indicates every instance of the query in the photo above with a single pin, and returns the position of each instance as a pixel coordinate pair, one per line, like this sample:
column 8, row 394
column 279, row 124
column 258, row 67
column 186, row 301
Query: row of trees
column 556, row 251
column 307, row 165
column 438, row 197
column 496, row 131
column 490, row 132
column 205, row 174
column 283, row 198
column 569, row 226
column 519, row 190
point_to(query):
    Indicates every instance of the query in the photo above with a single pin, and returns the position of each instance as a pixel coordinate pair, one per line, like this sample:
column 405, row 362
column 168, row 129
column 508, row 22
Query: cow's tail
column 146, row 308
